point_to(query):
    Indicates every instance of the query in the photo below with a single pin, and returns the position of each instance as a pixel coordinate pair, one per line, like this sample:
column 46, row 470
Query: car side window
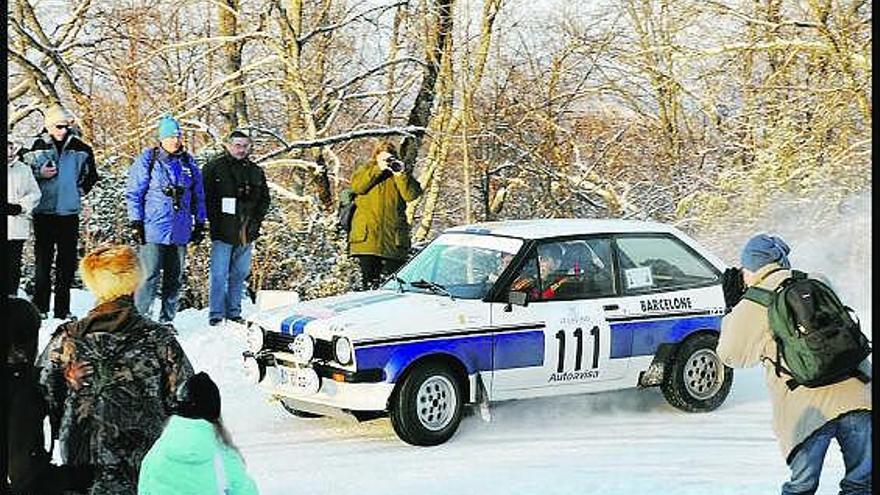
column 527, row 279
column 566, row 270
column 659, row 262
column 589, row 269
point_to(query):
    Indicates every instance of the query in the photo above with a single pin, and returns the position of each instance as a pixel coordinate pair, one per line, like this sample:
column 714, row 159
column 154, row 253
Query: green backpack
column 814, row 332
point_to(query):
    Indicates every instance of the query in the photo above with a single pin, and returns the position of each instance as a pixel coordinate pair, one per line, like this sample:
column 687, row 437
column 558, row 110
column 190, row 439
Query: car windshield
column 463, row 265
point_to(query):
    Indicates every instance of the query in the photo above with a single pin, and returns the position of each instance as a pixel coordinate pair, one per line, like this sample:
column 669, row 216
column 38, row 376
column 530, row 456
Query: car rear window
column 652, row 263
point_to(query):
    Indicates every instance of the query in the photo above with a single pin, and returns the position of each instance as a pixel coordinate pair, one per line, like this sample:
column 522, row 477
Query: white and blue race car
column 506, row 310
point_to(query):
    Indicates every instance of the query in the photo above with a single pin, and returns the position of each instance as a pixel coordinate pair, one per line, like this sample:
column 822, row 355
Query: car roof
column 555, row 227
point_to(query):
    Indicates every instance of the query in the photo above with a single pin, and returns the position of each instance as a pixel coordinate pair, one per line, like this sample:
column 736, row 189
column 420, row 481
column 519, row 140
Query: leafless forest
column 701, row 113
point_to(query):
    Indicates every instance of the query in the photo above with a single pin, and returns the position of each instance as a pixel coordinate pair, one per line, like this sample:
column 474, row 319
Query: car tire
column 695, row 380
column 297, row 412
column 427, row 407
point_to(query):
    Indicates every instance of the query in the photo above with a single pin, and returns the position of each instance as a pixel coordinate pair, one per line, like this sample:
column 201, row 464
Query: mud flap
column 656, row 372
column 483, row 400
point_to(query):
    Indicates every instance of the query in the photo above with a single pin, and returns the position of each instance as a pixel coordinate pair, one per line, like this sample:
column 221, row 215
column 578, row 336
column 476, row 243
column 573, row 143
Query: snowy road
column 628, row 442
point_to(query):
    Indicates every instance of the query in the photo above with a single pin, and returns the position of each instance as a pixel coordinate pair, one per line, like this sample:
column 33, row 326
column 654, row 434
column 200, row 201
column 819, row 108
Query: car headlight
column 342, row 350
column 254, row 338
column 302, row 348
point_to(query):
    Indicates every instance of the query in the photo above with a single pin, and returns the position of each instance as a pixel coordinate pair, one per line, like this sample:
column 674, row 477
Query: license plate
column 300, row 381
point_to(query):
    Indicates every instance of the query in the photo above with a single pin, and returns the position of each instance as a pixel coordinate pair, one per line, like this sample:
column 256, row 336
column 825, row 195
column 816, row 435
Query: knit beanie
column 199, row 398
column 56, row 114
column 110, row 272
column 168, row 127
column 764, row 249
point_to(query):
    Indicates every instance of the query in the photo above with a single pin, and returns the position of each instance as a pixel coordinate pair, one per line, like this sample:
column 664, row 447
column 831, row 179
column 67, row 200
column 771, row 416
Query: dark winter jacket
column 112, row 422
column 30, row 468
column 62, row 194
column 166, row 220
column 379, row 226
column 244, row 182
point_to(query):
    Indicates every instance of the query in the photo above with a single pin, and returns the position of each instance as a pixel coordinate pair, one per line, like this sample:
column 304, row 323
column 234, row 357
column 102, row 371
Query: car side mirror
column 518, row 298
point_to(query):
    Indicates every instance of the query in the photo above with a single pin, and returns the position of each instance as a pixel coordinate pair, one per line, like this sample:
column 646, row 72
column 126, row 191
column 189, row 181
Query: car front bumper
column 357, row 393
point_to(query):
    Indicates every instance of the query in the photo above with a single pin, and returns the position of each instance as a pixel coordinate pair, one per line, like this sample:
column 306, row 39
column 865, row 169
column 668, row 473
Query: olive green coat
column 379, row 226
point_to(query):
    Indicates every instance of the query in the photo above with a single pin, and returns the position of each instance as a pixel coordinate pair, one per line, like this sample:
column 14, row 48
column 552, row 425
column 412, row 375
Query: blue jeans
column 165, row 262
column 853, row 434
column 230, row 265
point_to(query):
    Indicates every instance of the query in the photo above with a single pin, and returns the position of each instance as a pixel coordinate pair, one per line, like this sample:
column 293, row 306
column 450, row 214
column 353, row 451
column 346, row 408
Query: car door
column 560, row 342
column 668, row 292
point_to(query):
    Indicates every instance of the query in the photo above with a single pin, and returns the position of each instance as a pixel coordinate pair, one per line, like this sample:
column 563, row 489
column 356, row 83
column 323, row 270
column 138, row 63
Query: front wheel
column 695, row 379
column 426, row 409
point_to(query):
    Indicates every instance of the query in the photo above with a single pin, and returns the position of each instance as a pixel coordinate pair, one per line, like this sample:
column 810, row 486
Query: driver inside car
column 549, row 262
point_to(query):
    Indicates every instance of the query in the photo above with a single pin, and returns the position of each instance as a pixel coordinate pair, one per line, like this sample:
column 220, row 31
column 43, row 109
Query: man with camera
column 237, row 199
column 65, row 169
column 379, row 236
column 166, row 207
column 788, row 322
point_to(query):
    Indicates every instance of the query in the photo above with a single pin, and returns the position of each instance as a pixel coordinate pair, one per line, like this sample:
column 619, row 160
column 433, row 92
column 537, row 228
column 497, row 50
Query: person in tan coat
column 804, row 419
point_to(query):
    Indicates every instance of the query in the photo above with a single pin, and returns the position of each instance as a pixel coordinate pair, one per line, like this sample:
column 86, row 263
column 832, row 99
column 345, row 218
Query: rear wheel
column 426, row 409
column 695, row 379
column 297, row 412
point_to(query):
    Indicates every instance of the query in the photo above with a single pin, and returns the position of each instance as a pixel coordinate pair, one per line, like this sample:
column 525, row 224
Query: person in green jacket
column 379, row 236
column 195, row 454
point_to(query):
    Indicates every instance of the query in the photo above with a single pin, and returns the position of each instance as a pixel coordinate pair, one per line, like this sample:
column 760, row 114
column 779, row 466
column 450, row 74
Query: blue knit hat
column 168, row 127
column 764, row 249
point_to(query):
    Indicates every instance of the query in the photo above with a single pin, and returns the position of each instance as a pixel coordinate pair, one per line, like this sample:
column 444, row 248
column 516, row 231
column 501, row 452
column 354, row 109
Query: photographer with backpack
column 815, row 360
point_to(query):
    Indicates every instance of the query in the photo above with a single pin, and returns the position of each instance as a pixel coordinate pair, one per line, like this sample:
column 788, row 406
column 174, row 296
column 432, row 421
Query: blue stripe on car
column 522, row 349
column 512, row 350
column 295, row 324
column 641, row 338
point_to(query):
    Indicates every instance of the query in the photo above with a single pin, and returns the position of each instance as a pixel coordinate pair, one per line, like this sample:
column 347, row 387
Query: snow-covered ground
column 628, row 442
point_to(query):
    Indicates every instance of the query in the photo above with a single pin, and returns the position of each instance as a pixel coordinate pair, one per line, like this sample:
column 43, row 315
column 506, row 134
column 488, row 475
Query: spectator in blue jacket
column 166, row 207
column 64, row 167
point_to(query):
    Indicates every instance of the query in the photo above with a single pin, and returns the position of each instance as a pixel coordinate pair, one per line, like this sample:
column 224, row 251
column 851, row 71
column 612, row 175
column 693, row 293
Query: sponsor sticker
column 639, row 277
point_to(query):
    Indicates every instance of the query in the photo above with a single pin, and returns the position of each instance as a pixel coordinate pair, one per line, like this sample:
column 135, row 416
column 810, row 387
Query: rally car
column 504, row 310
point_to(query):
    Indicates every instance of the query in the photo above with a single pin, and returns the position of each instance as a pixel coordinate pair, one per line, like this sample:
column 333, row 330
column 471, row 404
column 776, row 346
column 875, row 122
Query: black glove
column 13, row 209
column 137, row 232
column 733, row 285
column 198, row 234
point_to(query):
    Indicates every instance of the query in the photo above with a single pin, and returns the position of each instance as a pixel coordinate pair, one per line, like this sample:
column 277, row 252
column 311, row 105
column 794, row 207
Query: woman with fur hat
column 111, row 418
column 195, row 454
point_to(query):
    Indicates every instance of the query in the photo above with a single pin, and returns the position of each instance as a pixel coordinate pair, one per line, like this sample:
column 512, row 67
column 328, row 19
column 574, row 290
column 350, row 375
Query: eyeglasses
column 62, row 126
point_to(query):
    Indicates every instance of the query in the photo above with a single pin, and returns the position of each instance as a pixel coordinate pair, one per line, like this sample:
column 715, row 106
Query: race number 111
column 579, row 355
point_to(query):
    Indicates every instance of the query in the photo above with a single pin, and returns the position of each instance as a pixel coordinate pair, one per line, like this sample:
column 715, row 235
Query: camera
column 396, row 165
column 176, row 195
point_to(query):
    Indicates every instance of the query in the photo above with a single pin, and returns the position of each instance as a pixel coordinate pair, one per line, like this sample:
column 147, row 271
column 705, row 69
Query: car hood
column 368, row 315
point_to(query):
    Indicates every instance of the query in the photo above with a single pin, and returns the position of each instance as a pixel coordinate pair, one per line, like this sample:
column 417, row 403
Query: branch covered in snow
column 348, row 136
